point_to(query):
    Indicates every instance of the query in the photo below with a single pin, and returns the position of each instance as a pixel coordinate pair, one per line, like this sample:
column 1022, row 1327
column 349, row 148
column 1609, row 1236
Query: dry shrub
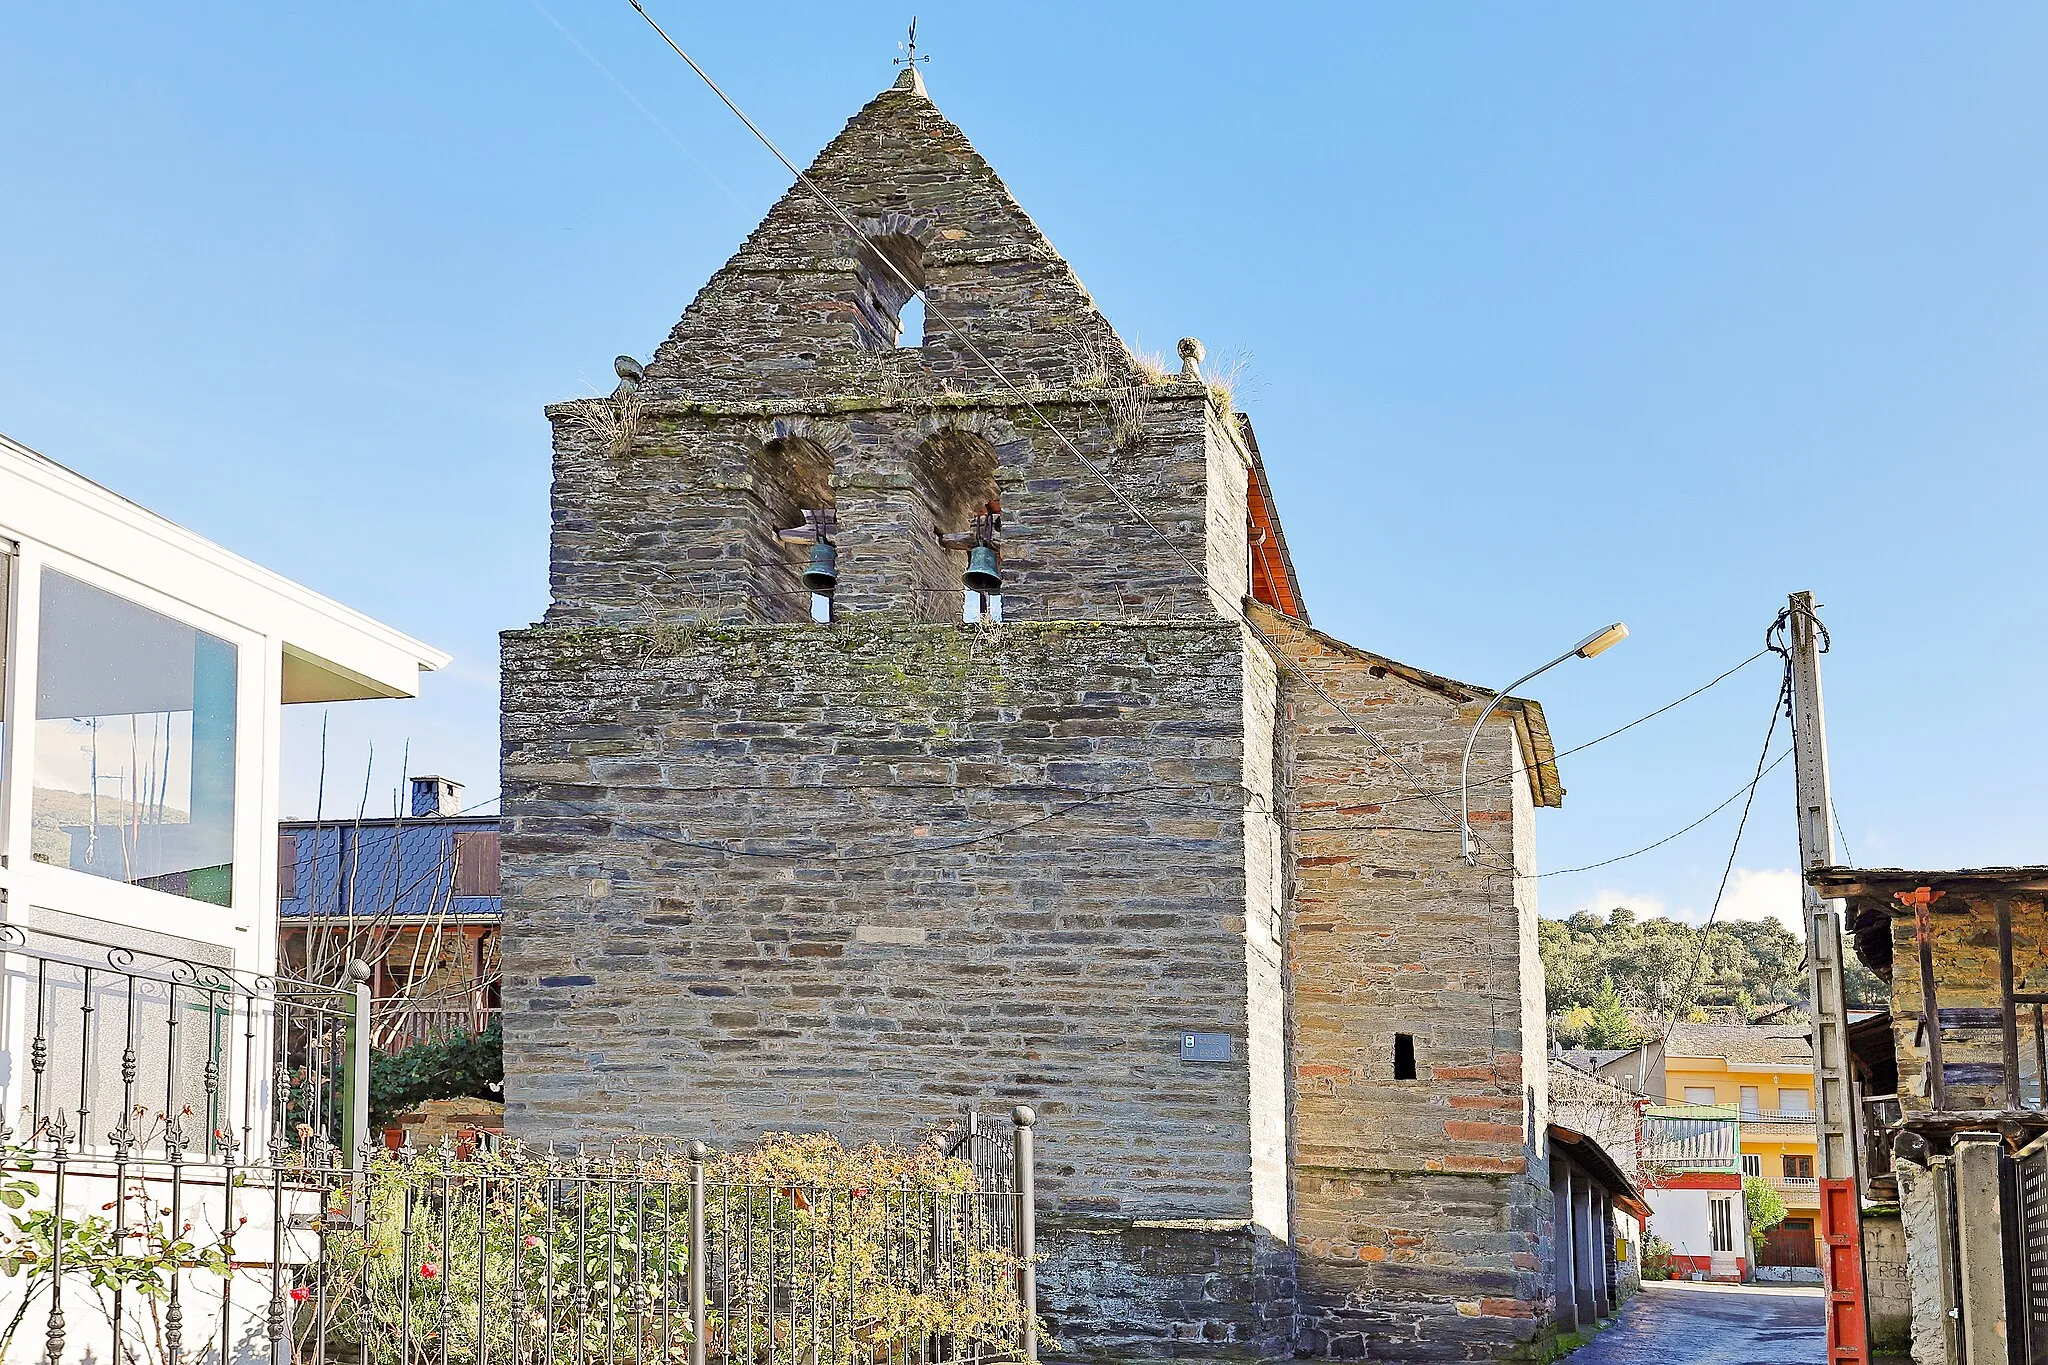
column 1226, row 378
column 615, row 422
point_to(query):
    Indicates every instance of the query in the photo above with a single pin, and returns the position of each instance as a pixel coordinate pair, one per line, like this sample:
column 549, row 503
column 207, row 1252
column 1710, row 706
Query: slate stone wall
column 1420, row 1207
column 653, row 980
column 1135, row 1289
column 793, row 313
column 677, row 525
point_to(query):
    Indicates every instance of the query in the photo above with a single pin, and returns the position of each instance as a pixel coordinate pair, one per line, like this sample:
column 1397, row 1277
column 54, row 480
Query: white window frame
column 12, row 552
column 238, row 926
column 1752, row 1165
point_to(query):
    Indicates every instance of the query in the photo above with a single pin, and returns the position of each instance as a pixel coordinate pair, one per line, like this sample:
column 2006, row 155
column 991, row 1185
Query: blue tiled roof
column 405, row 868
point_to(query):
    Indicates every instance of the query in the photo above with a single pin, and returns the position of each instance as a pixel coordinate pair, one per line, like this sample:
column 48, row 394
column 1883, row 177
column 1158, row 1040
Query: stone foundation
column 1126, row 1289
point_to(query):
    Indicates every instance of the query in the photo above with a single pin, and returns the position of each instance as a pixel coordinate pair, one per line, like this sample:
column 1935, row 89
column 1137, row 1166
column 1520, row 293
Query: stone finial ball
column 1191, row 349
column 358, row 970
column 1022, row 1116
column 698, row 1151
column 625, row 367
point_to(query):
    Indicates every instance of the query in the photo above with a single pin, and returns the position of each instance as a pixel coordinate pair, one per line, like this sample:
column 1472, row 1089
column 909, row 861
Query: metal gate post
column 698, row 1151
column 355, row 1081
column 1027, row 1230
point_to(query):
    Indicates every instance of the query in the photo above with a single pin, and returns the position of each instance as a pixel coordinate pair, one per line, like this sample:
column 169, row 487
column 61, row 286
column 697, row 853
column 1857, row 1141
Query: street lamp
column 1599, row 642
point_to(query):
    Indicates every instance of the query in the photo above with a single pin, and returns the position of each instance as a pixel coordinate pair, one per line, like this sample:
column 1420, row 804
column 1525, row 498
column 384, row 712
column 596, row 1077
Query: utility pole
column 1841, row 1200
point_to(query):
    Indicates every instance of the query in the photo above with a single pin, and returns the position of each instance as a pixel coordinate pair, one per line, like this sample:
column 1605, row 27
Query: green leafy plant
column 453, row 1066
column 1608, row 1024
column 128, row 1246
column 1656, row 1259
column 1764, row 1206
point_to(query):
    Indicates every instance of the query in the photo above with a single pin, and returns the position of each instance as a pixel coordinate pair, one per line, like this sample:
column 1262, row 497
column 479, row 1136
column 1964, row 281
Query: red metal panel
column 1841, row 1231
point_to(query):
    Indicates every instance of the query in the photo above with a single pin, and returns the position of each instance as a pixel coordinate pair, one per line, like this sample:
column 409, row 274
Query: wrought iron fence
column 156, row 1110
column 181, row 1187
column 643, row 1253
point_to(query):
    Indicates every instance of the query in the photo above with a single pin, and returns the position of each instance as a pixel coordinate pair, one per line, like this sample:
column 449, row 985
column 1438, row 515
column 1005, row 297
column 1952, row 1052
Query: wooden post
column 2008, row 1013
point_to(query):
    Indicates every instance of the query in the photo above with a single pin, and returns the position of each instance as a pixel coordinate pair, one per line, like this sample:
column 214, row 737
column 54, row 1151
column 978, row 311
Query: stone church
column 801, row 833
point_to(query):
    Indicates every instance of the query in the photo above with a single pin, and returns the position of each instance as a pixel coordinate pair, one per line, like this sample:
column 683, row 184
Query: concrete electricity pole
column 1841, row 1220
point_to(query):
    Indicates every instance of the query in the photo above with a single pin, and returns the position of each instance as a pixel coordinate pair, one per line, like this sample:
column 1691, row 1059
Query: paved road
column 1696, row 1324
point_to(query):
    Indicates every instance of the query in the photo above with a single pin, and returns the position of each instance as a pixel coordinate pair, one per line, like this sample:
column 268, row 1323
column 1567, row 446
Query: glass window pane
column 6, row 584
column 135, row 744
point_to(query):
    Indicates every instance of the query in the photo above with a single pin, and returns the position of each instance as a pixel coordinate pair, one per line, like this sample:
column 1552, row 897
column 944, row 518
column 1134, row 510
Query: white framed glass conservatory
column 143, row 672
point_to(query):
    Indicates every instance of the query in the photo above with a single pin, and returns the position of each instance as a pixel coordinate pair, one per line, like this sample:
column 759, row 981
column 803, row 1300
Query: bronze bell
column 983, row 575
column 822, row 573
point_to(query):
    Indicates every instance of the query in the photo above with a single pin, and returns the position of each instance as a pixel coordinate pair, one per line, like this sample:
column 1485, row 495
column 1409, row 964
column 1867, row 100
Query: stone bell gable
column 1113, row 856
column 783, row 393
column 807, row 307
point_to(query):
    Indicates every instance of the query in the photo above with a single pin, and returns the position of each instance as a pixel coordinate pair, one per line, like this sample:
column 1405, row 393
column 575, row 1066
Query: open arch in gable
column 790, row 475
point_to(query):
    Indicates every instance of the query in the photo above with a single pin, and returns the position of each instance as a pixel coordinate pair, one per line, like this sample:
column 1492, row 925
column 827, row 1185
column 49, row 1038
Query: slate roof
column 1786, row 1043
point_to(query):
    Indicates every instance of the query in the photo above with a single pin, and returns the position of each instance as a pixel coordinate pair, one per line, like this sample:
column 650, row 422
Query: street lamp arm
column 1465, row 839
column 1597, row 643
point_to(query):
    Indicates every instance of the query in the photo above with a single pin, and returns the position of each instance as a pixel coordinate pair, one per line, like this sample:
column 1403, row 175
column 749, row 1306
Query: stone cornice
column 828, row 405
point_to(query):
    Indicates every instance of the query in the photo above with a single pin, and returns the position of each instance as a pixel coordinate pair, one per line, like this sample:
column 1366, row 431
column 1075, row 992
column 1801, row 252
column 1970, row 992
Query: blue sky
column 1553, row 315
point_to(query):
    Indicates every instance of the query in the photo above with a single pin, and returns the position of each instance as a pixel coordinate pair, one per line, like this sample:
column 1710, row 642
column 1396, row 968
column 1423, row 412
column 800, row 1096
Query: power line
column 1587, row 867
column 1601, row 739
column 1683, row 1003
column 932, row 310
column 634, row 100
column 1747, row 789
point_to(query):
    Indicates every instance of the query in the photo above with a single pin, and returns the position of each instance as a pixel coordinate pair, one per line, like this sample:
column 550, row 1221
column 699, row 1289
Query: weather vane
column 910, row 57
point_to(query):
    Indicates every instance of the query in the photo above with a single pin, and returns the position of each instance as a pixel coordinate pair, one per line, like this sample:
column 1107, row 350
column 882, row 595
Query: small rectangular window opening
column 910, row 323
column 1404, row 1057
column 821, row 607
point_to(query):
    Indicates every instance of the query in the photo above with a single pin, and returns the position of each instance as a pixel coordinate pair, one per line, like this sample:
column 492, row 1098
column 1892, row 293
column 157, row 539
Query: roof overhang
column 1871, row 895
column 1532, row 731
column 1884, row 884
column 1587, row 1151
column 331, row 652
column 1274, row 581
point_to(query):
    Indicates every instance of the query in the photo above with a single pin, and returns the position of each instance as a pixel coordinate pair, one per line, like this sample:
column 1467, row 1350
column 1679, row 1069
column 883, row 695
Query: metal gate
column 2025, row 1196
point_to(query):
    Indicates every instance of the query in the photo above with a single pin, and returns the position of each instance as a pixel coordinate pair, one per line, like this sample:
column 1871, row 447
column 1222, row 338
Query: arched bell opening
column 954, row 475
column 797, row 558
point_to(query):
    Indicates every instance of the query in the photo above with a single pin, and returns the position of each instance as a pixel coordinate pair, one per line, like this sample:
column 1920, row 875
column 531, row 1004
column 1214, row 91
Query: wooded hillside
column 1612, row 980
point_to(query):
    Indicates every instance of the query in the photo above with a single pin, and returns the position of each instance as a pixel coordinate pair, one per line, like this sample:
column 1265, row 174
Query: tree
column 1747, row 965
column 1609, row 1026
column 1763, row 1205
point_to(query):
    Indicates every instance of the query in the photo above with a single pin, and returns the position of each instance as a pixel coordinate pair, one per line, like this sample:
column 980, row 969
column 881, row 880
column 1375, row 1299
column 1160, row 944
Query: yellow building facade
column 1766, row 1072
